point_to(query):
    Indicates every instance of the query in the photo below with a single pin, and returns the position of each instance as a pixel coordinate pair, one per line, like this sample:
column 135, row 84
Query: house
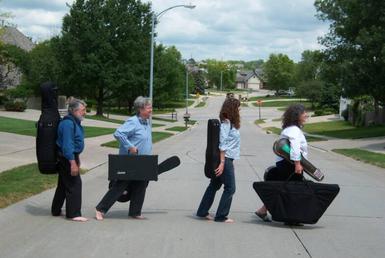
column 250, row 80
column 10, row 75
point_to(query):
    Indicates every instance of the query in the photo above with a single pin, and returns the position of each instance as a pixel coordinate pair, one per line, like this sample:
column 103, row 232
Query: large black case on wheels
column 296, row 202
column 212, row 150
column 46, row 135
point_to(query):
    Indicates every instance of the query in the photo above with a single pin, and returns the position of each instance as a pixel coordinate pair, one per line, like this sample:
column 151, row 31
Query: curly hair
column 292, row 114
column 230, row 111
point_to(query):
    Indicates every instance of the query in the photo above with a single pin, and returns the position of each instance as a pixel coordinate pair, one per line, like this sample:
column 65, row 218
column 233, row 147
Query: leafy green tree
column 355, row 45
column 104, row 49
column 169, row 75
column 43, row 65
column 279, row 72
column 215, row 69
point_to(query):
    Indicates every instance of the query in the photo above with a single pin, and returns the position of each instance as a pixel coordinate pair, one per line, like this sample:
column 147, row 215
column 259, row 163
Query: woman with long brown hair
column 229, row 146
column 293, row 120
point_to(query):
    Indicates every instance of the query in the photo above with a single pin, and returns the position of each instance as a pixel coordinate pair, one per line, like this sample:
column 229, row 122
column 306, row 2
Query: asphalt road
column 353, row 226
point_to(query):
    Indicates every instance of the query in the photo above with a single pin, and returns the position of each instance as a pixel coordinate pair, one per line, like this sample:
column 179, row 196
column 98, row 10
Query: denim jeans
column 228, row 180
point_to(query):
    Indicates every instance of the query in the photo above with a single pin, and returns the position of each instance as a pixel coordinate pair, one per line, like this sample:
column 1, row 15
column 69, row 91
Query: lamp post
column 155, row 16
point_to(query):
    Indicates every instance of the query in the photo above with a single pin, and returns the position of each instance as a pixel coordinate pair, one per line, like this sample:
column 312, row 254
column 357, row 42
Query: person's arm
column 223, row 146
column 123, row 133
column 68, row 146
column 295, row 150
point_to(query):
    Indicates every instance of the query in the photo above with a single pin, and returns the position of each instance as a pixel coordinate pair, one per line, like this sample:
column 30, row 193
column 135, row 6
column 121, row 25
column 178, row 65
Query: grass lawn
column 259, row 121
column 344, row 130
column 156, row 137
column 373, row 158
column 201, row 104
column 26, row 127
column 164, row 119
column 105, row 119
column 270, row 98
column 282, row 104
column 22, row 182
column 177, row 129
column 309, row 138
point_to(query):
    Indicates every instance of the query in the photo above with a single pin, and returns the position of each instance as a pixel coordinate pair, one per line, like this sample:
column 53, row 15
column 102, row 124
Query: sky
column 216, row 29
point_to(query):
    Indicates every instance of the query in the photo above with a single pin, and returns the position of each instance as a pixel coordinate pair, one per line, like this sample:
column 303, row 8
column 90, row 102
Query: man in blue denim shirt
column 70, row 143
column 134, row 138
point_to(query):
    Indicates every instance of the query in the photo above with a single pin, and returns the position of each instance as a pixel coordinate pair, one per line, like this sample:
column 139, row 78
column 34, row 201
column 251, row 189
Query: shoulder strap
column 73, row 120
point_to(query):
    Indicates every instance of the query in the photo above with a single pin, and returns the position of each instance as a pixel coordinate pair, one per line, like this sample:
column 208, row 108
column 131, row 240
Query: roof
column 243, row 76
column 13, row 36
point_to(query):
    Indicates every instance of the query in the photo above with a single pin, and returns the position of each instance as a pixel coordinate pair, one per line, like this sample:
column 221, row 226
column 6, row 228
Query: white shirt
column 298, row 143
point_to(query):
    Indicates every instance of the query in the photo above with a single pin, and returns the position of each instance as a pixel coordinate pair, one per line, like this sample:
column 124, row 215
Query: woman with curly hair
column 292, row 121
column 229, row 146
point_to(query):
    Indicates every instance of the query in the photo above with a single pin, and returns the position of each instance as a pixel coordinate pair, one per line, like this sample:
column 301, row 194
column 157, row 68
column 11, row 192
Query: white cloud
column 228, row 29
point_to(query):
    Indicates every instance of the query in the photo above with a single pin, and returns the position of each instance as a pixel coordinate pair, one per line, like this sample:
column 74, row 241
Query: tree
column 104, row 49
column 215, row 69
column 169, row 80
column 43, row 65
column 355, row 45
column 12, row 60
column 278, row 72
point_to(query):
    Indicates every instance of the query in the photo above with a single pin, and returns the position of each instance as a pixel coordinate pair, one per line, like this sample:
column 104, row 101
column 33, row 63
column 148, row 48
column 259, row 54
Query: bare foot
column 229, row 221
column 209, row 217
column 79, row 219
column 99, row 215
column 138, row 217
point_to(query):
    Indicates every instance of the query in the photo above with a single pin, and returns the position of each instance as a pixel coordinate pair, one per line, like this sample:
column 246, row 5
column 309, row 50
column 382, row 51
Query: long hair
column 230, row 111
column 292, row 114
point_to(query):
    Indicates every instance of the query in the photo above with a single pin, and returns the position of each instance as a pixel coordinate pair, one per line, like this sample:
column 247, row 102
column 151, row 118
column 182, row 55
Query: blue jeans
column 228, row 180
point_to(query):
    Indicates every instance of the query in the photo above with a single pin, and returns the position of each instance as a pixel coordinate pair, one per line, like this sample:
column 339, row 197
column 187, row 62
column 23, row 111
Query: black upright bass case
column 46, row 135
column 212, row 150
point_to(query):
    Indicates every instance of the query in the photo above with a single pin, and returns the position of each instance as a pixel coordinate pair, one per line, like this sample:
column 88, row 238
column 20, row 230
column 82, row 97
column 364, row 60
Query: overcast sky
column 219, row 29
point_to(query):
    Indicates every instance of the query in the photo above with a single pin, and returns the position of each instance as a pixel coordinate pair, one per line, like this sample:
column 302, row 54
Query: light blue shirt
column 229, row 140
column 135, row 132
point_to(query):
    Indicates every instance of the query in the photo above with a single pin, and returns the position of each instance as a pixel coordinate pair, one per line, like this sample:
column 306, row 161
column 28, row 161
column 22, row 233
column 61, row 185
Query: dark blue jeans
column 228, row 180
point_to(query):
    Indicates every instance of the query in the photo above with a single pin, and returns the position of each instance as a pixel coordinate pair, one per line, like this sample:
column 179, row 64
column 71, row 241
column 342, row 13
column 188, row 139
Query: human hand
column 219, row 169
column 298, row 168
column 74, row 168
column 133, row 150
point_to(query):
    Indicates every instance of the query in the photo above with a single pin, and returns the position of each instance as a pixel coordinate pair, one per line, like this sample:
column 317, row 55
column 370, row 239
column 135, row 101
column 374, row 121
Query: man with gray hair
column 70, row 142
column 134, row 138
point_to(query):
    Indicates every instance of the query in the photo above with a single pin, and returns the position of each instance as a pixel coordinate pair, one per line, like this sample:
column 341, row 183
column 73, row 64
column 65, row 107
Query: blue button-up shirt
column 135, row 132
column 229, row 140
column 70, row 140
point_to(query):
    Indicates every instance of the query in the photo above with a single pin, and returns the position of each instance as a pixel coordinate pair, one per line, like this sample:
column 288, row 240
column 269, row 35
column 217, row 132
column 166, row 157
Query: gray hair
column 140, row 102
column 74, row 104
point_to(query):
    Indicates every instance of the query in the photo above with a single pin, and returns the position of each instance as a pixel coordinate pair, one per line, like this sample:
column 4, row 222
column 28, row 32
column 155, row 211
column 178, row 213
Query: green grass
column 269, row 98
column 259, row 121
column 105, row 119
column 156, row 137
column 22, row 182
column 177, row 129
column 283, row 103
column 201, row 104
column 344, row 130
column 164, row 119
column 309, row 138
column 274, row 130
column 26, row 127
column 373, row 158
column 192, row 122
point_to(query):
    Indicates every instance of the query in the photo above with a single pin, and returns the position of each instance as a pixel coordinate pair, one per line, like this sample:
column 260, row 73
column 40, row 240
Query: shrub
column 324, row 112
column 345, row 114
column 18, row 106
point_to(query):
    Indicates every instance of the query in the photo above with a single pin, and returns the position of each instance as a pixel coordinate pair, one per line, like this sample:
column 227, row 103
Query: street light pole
column 155, row 16
column 186, row 89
